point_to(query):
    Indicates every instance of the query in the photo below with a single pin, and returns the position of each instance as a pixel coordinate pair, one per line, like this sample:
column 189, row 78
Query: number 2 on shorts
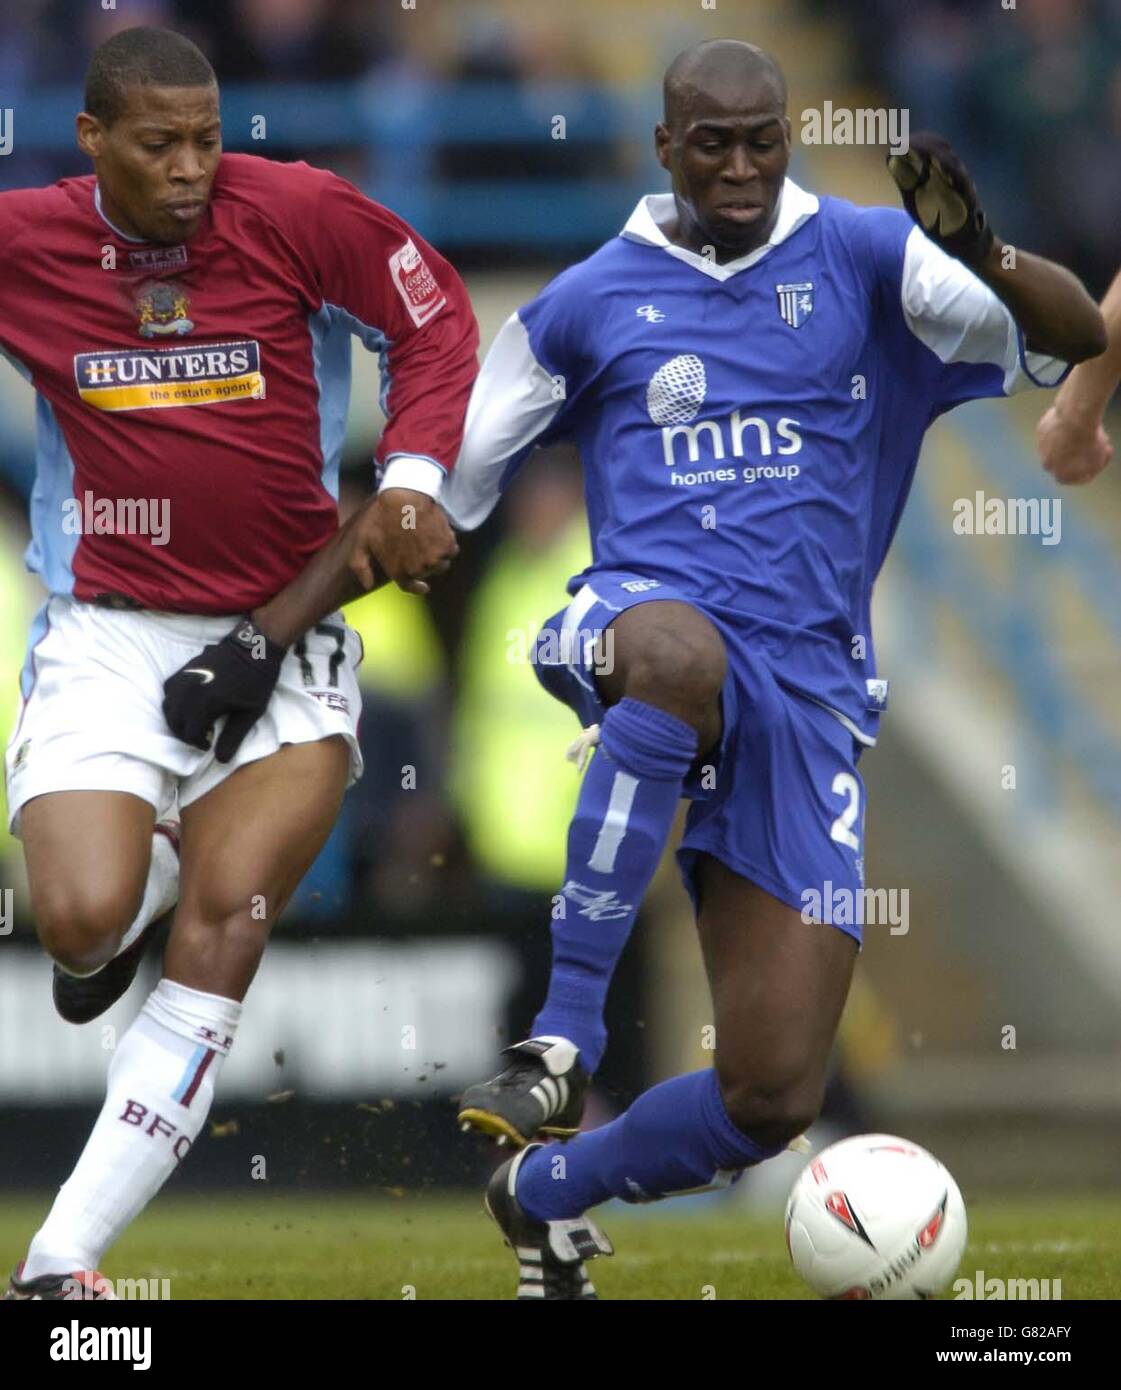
column 845, row 784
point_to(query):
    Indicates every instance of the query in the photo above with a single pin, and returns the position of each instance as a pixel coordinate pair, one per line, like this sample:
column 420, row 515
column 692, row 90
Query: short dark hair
column 142, row 57
column 714, row 54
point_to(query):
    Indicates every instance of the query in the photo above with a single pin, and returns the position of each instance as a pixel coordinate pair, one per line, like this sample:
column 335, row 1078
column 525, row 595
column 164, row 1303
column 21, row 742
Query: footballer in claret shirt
column 185, row 318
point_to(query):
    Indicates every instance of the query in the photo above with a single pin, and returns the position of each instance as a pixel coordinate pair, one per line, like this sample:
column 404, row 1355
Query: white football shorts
column 92, row 716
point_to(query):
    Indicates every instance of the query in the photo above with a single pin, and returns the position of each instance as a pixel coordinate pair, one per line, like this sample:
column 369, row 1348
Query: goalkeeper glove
column 234, row 677
column 940, row 196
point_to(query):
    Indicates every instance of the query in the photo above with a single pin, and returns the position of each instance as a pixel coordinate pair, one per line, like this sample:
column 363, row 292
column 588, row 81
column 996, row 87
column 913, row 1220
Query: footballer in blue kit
column 748, row 371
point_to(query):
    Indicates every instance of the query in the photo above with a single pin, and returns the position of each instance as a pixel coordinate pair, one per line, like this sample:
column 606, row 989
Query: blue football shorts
column 780, row 802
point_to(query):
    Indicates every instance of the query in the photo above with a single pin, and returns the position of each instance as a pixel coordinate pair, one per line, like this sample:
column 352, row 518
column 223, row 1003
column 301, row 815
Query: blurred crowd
column 1031, row 95
column 1030, row 90
column 396, row 54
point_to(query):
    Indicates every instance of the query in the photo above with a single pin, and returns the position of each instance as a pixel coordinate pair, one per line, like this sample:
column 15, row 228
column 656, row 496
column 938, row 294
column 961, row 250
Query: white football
column 875, row 1217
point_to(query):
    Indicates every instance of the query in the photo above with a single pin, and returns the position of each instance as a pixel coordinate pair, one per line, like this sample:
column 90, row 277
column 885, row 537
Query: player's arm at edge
column 1072, row 441
column 1051, row 306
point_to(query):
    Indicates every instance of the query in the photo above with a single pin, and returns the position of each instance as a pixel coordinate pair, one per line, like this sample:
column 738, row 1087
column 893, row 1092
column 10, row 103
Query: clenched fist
column 1073, row 449
column 406, row 535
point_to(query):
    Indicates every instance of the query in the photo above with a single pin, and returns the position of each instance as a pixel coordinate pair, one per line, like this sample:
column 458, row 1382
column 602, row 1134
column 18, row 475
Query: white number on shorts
column 845, row 784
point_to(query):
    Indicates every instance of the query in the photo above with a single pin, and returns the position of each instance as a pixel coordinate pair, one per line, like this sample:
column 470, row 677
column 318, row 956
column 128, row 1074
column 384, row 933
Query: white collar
column 657, row 209
column 139, row 240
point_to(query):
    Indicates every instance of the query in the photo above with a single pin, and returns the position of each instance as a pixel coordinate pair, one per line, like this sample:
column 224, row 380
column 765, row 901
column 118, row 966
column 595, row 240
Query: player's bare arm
column 1071, row 437
column 1050, row 305
column 400, row 536
column 340, row 572
column 245, row 665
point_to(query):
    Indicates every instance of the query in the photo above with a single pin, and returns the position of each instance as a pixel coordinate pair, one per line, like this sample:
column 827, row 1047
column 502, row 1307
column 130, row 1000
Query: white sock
column 161, row 892
column 160, row 1085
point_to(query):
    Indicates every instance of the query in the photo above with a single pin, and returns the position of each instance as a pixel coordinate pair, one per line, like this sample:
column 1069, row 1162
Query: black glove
column 940, row 196
column 233, row 677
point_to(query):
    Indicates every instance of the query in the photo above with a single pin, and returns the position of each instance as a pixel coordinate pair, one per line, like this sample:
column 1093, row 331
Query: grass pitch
column 266, row 1245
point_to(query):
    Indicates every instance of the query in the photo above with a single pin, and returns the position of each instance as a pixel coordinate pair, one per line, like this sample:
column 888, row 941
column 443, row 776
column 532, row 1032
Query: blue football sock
column 622, row 822
column 675, row 1138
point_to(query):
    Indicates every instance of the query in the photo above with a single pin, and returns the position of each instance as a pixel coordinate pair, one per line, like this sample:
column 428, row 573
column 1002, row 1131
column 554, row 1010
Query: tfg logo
column 674, row 397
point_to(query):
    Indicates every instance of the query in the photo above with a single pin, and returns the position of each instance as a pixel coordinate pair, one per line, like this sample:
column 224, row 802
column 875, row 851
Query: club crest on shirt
column 795, row 303
column 162, row 307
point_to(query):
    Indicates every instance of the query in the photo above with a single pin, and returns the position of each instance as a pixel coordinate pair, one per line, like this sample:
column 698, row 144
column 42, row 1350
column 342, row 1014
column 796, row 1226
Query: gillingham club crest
column 795, row 303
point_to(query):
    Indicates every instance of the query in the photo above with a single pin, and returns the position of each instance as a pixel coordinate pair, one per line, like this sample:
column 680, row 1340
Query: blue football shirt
column 749, row 431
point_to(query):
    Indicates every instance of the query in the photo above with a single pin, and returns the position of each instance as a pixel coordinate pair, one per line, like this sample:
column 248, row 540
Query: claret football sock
column 622, row 822
column 160, row 1086
column 676, row 1138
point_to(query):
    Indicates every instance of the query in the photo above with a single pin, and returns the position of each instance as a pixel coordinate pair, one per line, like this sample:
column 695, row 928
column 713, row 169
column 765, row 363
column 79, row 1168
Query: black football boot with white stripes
column 550, row 1254
column 541, row 1092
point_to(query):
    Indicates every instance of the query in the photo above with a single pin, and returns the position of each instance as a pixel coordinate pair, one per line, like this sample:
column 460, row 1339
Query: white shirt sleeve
column 513, row 402
column 960, row 319
column 412, row 472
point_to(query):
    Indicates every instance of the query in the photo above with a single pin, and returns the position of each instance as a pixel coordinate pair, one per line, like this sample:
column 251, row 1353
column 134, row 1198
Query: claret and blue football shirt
column 213, row 377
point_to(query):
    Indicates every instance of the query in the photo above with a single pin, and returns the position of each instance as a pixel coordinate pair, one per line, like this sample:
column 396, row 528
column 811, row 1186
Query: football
column 875, row 1216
